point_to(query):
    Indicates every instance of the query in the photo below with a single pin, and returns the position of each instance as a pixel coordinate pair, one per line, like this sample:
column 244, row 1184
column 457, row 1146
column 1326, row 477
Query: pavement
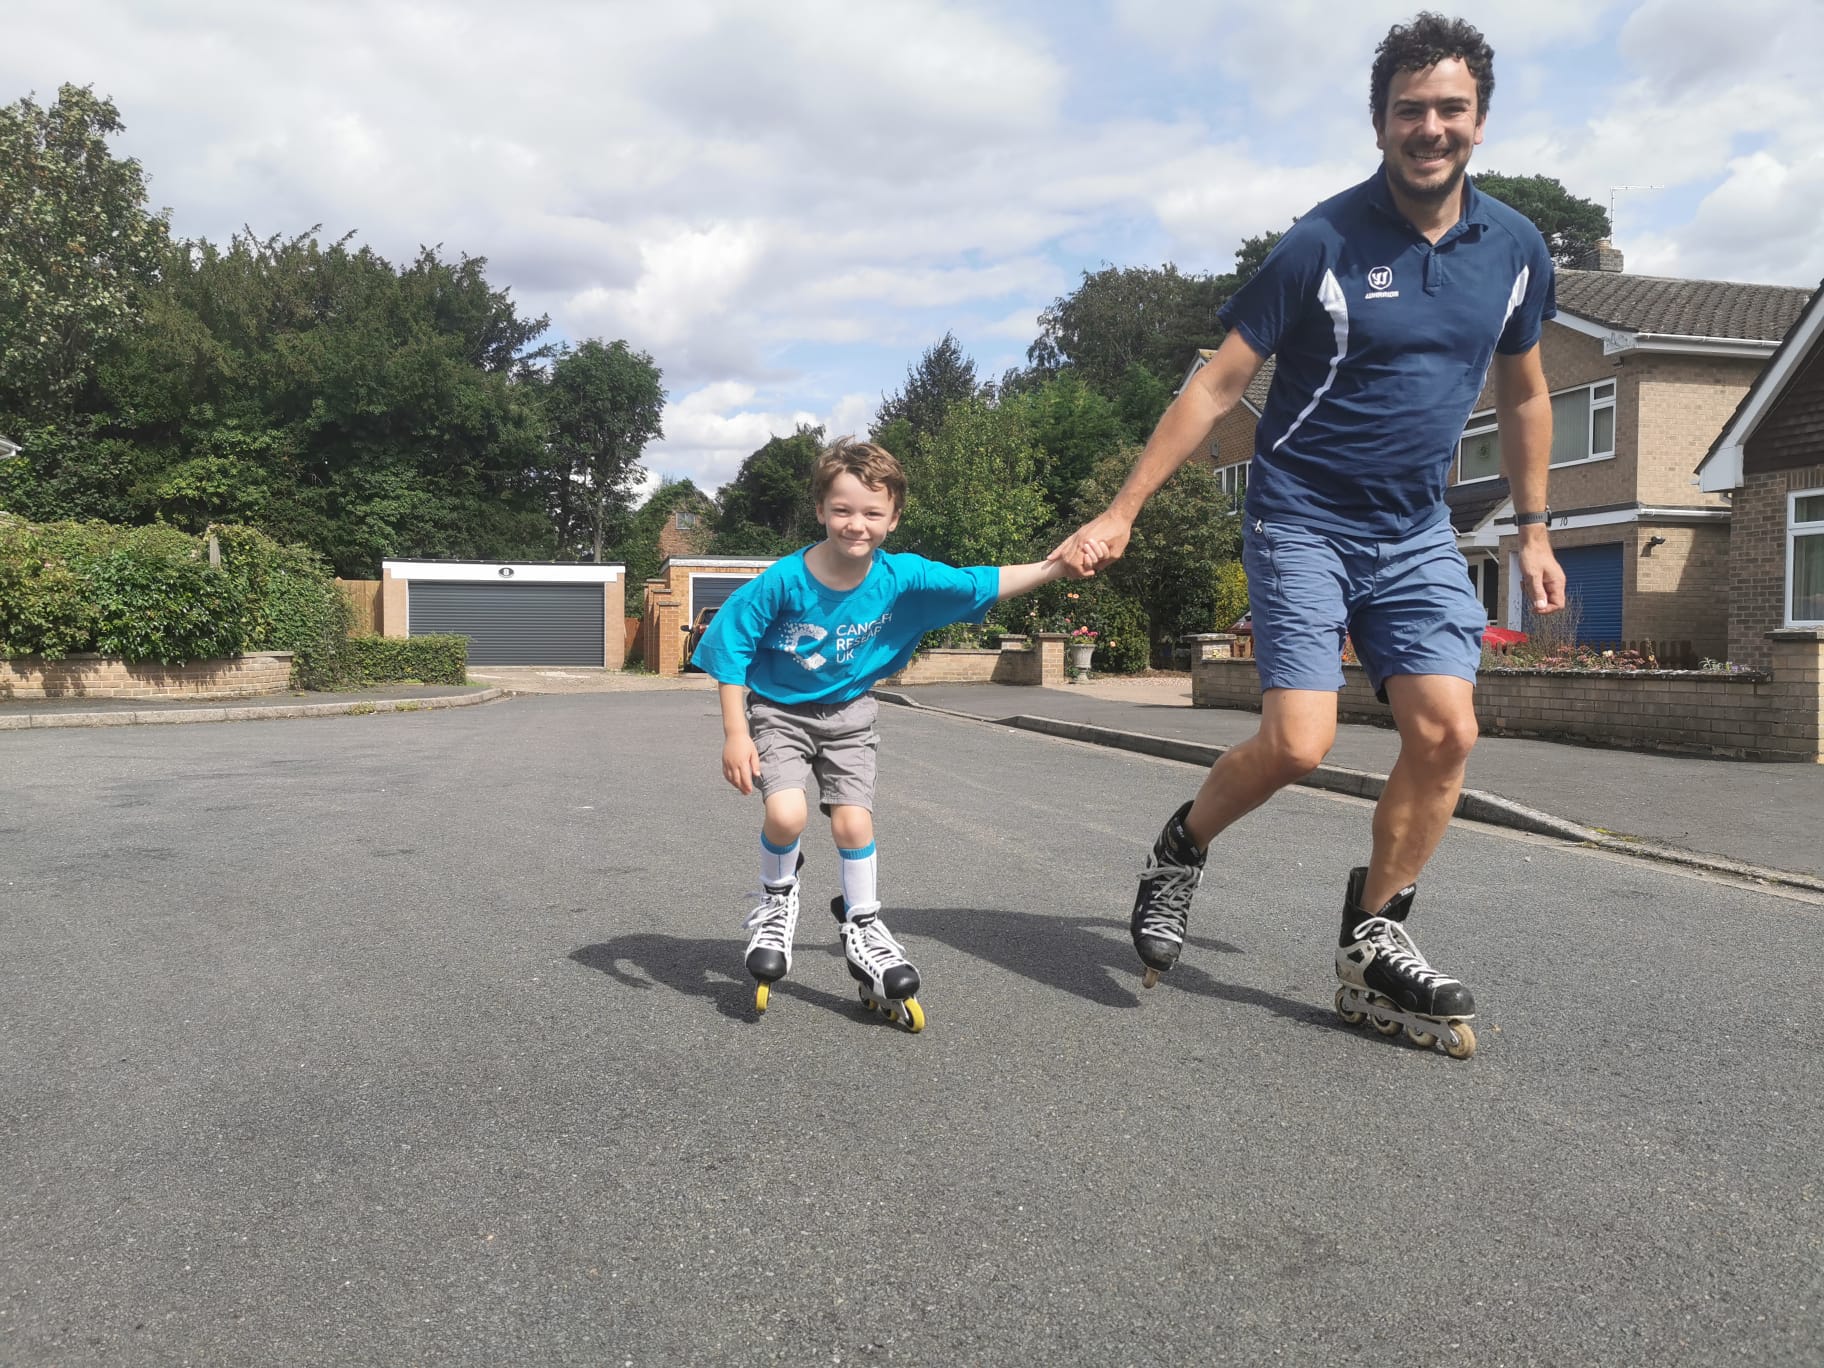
column 425, row 1039
column 1750, row 819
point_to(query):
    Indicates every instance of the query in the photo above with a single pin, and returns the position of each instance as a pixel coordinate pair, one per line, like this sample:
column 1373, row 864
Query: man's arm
column 1204, row 402
column 1523, row 408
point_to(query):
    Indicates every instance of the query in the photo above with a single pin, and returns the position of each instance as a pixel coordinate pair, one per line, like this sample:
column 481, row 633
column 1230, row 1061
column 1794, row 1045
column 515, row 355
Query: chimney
column 1602, row 257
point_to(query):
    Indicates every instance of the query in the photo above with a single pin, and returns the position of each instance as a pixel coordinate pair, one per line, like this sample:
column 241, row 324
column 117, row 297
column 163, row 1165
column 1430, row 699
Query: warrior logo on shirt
column 793, row 637
column 1378, row 280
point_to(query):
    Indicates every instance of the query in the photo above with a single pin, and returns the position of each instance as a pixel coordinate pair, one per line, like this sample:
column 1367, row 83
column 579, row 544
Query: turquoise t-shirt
column 791, row 638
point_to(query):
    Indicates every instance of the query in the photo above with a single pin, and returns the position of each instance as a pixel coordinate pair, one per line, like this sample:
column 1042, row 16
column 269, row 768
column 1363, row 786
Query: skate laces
column 1394, row 945
column 774, row 920
column 873, row 946
column 1168, row 911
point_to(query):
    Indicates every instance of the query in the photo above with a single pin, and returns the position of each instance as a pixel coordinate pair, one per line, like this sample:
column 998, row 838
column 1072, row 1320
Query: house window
column 1479, row 453
column 686, row 521
column 1233, row 479
column 1485, row 575
column 1583, row 429
column 1583, row 424
column 1805, row 559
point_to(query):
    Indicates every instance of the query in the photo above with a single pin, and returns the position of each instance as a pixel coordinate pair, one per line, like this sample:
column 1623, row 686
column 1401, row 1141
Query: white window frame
column 1233, row 479
column 1795, row 530
column 1480, row 424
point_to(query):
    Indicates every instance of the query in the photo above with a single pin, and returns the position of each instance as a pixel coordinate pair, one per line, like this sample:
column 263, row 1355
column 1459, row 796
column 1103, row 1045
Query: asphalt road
column 425, row 1038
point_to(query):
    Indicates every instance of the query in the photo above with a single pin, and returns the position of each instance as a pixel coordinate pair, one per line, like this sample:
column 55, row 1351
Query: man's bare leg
column 1297, row 729
column 1436, row 715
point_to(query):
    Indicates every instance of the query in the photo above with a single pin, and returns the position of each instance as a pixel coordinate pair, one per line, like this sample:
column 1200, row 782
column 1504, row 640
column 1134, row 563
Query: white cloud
column 773, row 199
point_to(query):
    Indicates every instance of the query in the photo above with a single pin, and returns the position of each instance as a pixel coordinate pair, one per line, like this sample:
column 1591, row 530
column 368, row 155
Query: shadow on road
column 1078, row 956
column 705, row 968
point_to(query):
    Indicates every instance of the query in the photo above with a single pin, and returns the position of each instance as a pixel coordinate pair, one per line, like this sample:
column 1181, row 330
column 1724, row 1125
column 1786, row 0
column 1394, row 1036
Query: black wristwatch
column 1528, row 519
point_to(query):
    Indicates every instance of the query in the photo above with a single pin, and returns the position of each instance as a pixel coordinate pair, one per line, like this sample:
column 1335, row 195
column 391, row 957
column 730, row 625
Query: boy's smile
column 855, row 517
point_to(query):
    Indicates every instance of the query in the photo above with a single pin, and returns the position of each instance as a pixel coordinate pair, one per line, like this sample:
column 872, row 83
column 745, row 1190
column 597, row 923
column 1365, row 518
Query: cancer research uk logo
column 1379, row 278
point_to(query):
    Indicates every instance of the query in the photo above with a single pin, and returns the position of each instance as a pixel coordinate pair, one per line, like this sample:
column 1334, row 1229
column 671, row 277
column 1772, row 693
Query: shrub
column 44, row 609
column 1123, row 647
column 439, row 659
column 291, row 602
column 155, row 601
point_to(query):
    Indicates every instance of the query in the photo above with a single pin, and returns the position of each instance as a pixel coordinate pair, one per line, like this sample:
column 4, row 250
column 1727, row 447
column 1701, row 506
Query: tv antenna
column 1614, row 190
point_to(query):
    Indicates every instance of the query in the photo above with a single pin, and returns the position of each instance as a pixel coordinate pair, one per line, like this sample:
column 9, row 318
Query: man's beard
column 1427, row 194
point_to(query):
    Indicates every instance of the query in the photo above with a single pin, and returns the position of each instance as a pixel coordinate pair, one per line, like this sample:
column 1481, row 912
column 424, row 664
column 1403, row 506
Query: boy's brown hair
column 873, row 465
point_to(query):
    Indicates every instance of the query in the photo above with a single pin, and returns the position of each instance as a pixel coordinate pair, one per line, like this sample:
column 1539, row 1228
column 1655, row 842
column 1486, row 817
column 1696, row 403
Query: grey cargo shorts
column 834, row 741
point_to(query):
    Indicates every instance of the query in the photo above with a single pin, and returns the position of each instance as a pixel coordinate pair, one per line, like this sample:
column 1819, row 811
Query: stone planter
column 1079, row 657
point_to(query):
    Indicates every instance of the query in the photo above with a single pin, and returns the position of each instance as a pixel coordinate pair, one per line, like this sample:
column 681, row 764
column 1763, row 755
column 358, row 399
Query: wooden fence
column 364, row 597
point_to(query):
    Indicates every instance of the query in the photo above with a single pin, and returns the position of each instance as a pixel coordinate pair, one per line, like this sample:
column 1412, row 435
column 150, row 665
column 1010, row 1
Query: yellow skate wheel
column 915, row 1016
column 1151, row 979
column 1348, row 1014
column 1423, row 1039
column 1385, row 1027
column 762, row 991
column 1465, row 1045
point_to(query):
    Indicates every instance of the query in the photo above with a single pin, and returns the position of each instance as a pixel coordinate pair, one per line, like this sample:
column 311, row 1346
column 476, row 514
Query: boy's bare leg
column 853, row 827
column 1436, row 716
column 1297, row 729
column 785, row 816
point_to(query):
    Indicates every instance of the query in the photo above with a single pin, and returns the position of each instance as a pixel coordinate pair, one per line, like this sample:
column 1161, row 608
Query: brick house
column 1643, row 372
column 1769, row 460
column 688, row 529
column 683, row 588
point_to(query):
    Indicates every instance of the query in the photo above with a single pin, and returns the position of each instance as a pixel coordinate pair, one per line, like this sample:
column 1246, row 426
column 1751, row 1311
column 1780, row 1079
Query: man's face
column 1432, row 122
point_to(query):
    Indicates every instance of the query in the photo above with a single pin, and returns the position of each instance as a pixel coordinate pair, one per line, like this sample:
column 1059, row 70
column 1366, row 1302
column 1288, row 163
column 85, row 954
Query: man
column 1386, row 306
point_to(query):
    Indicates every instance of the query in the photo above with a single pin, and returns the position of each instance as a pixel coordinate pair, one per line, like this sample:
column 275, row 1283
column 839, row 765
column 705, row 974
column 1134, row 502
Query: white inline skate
column 886, row 980
column 774, row 922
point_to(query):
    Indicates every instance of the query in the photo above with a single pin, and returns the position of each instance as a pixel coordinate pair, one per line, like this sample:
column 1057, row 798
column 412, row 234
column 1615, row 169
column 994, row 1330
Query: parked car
column 1501, row 638
column 696, row 629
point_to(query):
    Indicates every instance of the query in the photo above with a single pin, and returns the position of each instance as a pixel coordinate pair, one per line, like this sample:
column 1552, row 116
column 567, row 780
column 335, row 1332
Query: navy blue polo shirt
column 1383, row 340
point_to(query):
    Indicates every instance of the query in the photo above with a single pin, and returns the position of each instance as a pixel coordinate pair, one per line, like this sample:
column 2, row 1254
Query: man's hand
column 1097, row 543
column 741, row 761
column 1541, row 576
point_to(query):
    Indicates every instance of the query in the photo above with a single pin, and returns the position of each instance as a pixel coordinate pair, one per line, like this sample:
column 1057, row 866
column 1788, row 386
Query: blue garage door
column 1592, row 576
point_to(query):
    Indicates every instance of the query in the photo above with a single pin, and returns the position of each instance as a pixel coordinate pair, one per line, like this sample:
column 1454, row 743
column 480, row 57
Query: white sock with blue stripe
column 778, row 864
column 860, row 869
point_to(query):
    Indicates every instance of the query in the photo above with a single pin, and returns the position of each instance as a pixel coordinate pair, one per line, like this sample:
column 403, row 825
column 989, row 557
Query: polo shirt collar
column 1475, row 204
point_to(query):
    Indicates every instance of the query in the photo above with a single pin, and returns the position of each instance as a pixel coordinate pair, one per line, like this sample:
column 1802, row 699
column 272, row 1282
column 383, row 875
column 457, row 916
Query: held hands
column 740, row 762
column 1097, row 543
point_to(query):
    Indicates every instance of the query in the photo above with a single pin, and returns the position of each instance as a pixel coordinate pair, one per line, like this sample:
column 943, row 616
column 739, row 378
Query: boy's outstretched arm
column 1023, row 579
column 740, row 757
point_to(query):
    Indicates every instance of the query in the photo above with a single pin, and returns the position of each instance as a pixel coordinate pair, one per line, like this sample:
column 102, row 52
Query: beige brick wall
column 1684, row 403
column 96, row 676
column 1017, row 662
column 1757, row 560
column 1755, row 717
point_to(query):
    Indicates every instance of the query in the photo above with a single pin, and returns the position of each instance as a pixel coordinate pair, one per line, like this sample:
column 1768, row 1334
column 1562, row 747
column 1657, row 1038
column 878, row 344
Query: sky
column 785, row 202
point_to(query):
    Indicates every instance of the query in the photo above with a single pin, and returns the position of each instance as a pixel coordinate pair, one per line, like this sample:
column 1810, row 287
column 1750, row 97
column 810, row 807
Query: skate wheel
column 1346, row 1012
column 915, row 1016
column 1465, row 1044
column 1151, row 979
column 761, row 993
column 1423, row 1039
column 1386, row 1026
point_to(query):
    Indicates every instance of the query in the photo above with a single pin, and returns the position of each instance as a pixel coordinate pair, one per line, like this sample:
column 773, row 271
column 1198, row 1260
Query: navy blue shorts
column 1409, row 606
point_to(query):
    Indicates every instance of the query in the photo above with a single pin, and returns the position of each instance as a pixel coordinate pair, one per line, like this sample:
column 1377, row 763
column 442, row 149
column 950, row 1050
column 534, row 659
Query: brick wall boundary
column 1775, row 714
column 87, row 675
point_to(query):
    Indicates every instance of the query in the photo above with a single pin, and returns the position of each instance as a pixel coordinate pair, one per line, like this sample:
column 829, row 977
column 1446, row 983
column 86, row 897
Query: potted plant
column 1082, row 645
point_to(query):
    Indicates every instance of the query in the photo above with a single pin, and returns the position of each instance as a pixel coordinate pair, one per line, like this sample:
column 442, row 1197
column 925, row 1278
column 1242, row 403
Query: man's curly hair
column 1426, row 41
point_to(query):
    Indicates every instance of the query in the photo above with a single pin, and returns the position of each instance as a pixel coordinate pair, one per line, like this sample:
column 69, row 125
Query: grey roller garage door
column 712, row 591
column 514, row 624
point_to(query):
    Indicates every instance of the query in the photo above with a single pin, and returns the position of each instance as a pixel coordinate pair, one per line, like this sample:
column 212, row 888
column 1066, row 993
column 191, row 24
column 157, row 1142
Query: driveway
column 570, row 679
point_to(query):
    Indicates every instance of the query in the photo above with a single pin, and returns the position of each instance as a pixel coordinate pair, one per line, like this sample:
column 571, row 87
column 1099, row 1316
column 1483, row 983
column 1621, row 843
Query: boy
column 809, row 638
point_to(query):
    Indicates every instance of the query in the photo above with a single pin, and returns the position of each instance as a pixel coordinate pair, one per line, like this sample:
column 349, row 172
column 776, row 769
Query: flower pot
column 1079, row 656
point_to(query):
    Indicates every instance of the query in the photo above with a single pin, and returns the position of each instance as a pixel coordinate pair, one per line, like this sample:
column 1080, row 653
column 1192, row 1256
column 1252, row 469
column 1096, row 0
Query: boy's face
column 856, row 517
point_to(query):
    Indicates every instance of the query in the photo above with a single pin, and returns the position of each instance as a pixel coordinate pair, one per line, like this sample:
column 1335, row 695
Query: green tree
column 78, row 248
column 971, row 497
column 766, row 509
column 1071, row 428
column 604, row 405
column 1572, row 226
column 1181, row 539
column 942, row 377
column 1124, row 316
column 639, row 549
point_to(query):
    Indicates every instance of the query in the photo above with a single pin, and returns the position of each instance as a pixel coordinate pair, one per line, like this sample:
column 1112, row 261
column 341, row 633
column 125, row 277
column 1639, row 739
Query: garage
column 1592, row 576
column 519, row 613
